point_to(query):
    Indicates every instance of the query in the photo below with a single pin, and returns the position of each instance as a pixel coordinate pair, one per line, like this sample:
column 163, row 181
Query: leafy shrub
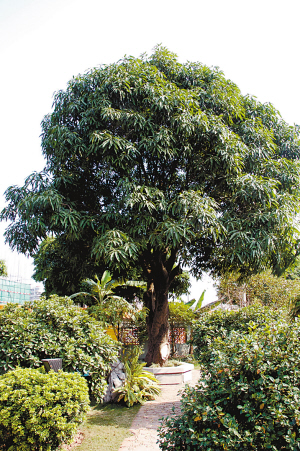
column 264, row 288
column 55, row 327
column 40, row 411
column 249, row 399
column 221, row 324
column 140, row 385
column 180, row 313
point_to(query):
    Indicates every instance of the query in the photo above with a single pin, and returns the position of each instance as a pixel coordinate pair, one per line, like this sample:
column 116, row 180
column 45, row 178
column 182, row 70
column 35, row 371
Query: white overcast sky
column 43, row 43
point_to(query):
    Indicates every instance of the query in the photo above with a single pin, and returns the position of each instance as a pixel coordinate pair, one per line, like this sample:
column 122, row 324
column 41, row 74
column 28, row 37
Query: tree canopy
column 158, row 164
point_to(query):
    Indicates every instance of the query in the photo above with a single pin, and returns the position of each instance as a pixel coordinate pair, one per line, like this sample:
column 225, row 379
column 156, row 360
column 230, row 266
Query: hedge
column 220, row 324
column 52, row 328
column 39, row 412
column 249, row 399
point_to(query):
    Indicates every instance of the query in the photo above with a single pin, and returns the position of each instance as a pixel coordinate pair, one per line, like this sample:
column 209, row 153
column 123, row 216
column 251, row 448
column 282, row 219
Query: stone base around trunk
column 169, row 375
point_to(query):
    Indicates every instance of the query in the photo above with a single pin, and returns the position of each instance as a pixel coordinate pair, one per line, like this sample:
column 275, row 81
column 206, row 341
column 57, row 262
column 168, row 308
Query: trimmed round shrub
column 40, row 411
column 220, row 324
column 249, row 399
column 56, row 328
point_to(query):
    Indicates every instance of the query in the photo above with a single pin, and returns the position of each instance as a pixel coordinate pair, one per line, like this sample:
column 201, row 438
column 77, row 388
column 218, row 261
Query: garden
column 156, row 170
column 247, row 396
column 42, row 410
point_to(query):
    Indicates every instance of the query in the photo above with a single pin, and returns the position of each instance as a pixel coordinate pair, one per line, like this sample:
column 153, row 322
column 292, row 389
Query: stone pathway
column 144, row 426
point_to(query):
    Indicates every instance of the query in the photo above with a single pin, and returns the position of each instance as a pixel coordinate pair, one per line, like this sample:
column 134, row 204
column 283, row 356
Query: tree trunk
column 160, row 273
column 157, row 326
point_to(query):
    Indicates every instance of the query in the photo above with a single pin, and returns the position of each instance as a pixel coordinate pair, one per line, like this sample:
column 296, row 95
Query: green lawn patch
column 106, row 427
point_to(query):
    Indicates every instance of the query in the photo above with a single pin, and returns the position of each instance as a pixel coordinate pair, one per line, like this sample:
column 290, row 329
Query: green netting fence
column 15, row 292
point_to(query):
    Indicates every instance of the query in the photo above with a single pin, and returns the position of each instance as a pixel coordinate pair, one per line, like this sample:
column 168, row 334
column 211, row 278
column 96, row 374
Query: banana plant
column 195, row 305
column 109, row 308
column 102, row 290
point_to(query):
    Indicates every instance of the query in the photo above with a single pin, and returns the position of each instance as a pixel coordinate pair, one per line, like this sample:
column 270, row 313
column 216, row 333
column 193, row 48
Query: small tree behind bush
column 40, row 411
column 55, row 327
column 249, row 399
column 220, row 324
column 264, row 288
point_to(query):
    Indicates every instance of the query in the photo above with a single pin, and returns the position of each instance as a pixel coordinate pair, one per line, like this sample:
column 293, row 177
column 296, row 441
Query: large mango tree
column 159, row 165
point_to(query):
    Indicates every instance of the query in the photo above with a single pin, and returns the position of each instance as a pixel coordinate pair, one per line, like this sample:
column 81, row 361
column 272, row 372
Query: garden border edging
column 169, row 375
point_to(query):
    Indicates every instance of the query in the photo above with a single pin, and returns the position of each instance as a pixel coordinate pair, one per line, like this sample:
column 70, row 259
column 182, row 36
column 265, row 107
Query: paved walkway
column 144, row 426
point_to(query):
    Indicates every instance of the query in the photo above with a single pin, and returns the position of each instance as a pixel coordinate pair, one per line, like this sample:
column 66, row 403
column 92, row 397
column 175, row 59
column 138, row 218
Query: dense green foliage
column 52, row 328
column 161, row 165
column 293, row 271
column 113, row 312
column 140, row 385
column 180, row 286
column 40, row 411
column 220, row 324
column 249, row 398
column 264, row 288
column 180, row 314
column 151, row 149
column 62, row 265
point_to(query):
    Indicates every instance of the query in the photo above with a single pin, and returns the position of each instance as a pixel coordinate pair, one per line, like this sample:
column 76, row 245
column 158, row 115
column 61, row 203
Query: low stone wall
column 169, row 375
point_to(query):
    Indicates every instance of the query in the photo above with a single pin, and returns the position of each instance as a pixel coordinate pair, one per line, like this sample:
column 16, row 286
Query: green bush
column 221, row 324
column 265, row 288
column 52, row 328
column 40, row 411
column 249, row 399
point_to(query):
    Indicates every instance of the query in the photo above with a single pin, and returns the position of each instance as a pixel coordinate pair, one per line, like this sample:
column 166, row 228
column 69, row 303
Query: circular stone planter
column 168, row 375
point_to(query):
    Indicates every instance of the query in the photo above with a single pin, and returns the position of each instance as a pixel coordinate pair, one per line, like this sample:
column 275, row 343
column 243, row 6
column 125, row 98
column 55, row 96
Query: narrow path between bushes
column 145, row 424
